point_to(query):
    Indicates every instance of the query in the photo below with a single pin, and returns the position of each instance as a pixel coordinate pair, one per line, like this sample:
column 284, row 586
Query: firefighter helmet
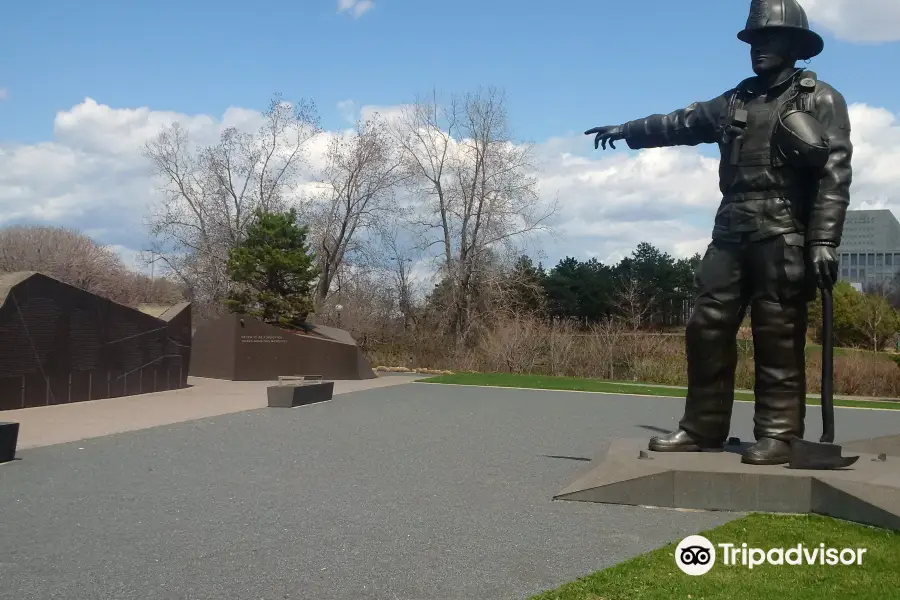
column 784, row 15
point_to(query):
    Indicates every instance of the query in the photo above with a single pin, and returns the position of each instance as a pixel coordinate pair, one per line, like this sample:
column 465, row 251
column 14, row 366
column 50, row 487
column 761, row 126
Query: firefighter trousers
column 772, row 279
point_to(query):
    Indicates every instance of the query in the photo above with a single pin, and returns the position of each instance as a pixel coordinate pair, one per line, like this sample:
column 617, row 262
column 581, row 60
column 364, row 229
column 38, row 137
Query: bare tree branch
column 879, row 317
column 476, row 188
column 360, row 178
column 76, row 259
column 211, row 194
column 633, row 304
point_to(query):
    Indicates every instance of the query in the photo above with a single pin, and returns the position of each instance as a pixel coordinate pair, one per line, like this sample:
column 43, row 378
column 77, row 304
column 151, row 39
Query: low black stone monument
column 239, row 347
column 299, row 393
column 9, row 437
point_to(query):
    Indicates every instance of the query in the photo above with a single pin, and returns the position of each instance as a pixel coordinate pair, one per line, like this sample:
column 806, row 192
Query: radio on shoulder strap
column 806, row 89
column 734, row 123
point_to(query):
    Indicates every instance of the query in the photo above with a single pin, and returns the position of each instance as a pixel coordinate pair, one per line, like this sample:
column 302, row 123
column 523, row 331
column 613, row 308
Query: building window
column 871, row 260
column 879, row 260
column 852, row 273
column 852, row 260
column 862, row 274
column 845, row 273
column 887, row 260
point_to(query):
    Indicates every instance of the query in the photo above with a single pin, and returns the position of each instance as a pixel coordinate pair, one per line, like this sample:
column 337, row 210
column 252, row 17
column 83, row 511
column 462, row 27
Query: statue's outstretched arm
column 699, row 123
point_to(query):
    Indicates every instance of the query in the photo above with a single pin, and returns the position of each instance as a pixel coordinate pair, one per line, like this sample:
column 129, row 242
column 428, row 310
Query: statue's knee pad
column 781, row 316
column 710, row 318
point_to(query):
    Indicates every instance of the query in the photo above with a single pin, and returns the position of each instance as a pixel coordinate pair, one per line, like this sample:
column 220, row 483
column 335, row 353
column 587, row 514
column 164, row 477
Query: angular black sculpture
column 785, row 177
column 62, row 344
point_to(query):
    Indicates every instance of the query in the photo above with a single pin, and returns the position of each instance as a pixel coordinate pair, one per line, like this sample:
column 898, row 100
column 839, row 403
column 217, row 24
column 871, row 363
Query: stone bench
column 9, row 437
column 303, row 389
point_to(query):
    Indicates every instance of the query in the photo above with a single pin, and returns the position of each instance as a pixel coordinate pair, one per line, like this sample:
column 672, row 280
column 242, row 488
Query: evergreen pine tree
column 273, row 270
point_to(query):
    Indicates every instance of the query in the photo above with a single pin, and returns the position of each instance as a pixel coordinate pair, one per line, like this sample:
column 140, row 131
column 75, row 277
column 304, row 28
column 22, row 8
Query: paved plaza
column 401, row 491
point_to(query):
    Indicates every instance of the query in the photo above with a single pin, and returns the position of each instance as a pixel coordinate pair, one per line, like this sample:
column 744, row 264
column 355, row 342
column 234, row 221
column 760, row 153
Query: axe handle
column 827, row 366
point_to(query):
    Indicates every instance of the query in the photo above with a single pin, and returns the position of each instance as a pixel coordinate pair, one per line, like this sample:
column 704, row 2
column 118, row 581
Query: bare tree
column 399, row 261
column 212, row 193
column 76, row 259
column 632, row 301
column 475, row 185
column 361, row 174
column 156, row 290
column 364, row 303
column 64, row 254
column 879, row 318
column 524, row 290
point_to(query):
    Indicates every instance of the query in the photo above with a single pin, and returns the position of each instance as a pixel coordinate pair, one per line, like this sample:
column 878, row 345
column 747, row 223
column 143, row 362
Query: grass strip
column 578, row 384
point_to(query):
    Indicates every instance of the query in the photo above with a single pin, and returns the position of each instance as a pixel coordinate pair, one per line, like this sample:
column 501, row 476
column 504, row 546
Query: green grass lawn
column 816, row 349
column 655, row 576
column 609, row 387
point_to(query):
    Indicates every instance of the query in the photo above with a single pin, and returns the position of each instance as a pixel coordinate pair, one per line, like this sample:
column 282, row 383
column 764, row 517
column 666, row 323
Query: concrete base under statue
column 867, row 492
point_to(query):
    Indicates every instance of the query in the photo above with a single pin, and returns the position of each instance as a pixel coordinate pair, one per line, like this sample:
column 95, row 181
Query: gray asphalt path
column 411, row 492
column 60, row 423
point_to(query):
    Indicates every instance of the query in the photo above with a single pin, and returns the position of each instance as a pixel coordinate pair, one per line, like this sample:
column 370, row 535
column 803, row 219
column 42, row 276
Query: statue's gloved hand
column 608, row 133
column 824, row 260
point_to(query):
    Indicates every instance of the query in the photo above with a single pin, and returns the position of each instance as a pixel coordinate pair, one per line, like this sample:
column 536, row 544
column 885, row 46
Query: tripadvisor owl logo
column 695, row 555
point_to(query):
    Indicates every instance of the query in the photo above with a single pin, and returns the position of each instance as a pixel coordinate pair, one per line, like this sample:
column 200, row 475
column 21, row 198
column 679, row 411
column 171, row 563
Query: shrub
column 611, row 352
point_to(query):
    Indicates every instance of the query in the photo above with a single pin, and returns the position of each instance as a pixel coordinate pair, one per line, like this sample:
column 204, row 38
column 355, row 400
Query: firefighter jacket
column 762, row 194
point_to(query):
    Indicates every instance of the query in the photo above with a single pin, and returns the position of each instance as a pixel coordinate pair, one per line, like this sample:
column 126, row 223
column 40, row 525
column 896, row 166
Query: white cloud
column 668, row 197
column 385, row 113
column 356, row 8
column 4, row 93
column 92, row 176
column 130, row 257
column 857, row 20
column 348, row 111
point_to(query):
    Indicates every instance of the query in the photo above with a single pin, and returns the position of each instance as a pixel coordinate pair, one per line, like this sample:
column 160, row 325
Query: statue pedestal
column 867, row 492
column 290, row 396
column 9, row 437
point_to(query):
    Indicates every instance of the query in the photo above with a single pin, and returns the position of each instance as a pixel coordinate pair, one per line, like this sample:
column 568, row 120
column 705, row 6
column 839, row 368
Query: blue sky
column 565, row 67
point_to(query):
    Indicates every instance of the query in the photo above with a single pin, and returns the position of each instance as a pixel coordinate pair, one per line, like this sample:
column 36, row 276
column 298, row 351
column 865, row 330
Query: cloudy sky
column 84, row 85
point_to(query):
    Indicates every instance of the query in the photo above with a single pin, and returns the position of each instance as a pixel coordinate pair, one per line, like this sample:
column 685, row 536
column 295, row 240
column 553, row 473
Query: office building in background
column 870, row 247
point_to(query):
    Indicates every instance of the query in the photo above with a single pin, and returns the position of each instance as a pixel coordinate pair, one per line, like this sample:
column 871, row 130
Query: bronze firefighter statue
column 784, row 176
